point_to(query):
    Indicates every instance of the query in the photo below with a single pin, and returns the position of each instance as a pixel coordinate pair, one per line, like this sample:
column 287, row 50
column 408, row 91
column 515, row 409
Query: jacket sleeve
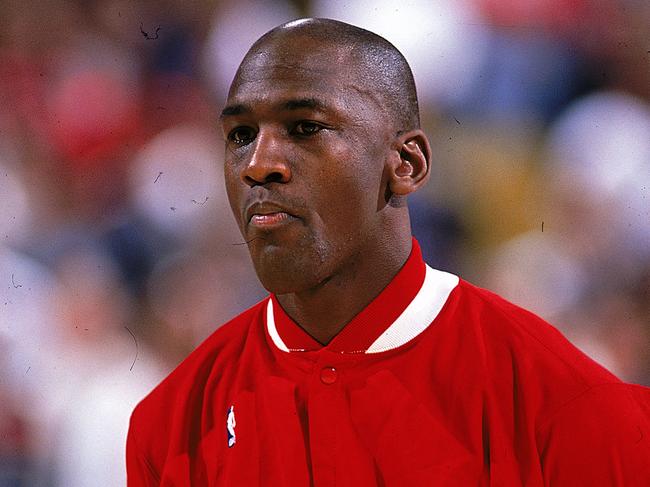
column 139, row 472
column 600, row 438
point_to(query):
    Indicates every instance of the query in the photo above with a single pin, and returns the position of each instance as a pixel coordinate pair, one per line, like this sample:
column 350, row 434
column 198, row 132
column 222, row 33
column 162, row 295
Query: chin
column 283, row 270
column 287, row 280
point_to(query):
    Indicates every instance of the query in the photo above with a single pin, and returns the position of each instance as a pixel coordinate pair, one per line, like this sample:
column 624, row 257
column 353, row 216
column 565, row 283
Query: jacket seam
column 558, row 410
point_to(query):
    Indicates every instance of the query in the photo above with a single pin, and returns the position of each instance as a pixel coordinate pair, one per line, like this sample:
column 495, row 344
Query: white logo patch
column 230, row 427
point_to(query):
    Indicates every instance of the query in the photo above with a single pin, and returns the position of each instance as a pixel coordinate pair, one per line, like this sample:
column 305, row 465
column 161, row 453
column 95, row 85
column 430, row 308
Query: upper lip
column 265, row 208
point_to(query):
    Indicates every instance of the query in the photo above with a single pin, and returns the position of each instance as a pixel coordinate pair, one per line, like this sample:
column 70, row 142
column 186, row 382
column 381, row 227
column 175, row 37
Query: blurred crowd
column 118, row 253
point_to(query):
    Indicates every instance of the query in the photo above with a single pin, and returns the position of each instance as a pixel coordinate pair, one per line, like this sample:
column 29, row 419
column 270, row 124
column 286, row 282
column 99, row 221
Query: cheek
column 348, row 199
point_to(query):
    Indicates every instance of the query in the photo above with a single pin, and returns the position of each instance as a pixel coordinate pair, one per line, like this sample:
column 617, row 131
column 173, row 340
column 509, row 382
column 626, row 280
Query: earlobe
column 411, row 170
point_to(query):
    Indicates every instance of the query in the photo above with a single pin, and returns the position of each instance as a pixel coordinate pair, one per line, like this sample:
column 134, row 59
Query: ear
column 411, row 169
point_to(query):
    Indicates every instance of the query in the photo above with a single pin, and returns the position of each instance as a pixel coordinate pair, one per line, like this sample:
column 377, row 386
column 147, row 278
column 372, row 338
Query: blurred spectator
column 236, row 25
column 91, row 374
column 193, row 290
column 596, row 248
column 443, row 40
column 176, row 183
column 17, row 466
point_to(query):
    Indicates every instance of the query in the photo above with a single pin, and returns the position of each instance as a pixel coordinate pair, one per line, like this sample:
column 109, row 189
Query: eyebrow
column 297, row 104
column 234, row 110
column 294, row 104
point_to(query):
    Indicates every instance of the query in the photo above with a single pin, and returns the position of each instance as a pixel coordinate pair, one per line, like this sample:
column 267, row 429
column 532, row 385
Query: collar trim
column 420, row 313
column 416, row 317
column 272, row 329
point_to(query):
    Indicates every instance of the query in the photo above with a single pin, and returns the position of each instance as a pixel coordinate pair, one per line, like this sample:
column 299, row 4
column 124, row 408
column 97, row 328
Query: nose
column 267, row 162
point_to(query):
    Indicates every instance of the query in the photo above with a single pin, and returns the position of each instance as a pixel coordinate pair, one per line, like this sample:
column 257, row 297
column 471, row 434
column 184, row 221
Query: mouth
column 271, row 219
column 266, row 215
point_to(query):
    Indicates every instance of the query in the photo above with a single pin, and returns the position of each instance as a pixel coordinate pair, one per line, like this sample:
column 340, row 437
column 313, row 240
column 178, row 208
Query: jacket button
column 328, row 375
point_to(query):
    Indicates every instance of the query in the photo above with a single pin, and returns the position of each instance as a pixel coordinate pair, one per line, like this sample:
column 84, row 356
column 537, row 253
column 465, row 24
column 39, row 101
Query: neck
column 323, row 311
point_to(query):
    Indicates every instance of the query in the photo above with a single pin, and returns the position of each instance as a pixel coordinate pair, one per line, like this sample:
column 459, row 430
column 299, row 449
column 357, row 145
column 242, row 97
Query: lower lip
column 271, row 220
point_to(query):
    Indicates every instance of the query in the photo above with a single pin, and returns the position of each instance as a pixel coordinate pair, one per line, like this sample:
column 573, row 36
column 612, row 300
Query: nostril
column 250, row 181
column 274, row 177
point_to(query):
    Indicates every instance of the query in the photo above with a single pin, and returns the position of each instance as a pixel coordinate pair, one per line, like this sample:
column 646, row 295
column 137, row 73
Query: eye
column 241, row 135
column 307, row 128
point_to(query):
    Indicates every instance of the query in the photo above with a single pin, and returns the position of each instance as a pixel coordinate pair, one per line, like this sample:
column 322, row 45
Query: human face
column 305, row 151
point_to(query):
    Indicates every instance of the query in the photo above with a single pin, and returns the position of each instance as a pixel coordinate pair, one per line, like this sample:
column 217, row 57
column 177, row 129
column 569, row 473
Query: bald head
column 374, row 64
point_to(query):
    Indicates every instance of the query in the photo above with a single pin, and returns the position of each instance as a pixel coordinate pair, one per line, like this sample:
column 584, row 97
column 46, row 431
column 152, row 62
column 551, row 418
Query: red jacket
column 435, row 383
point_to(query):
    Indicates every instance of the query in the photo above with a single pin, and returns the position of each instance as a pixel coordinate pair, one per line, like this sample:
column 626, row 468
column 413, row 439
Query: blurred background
column 118, row 253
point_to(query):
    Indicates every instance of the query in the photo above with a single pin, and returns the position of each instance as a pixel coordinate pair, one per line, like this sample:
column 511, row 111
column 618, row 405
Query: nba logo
column 230, row 426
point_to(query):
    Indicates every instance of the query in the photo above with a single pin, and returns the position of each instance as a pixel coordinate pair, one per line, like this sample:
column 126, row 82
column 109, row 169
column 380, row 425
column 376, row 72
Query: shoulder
column 521, row 355
column 600, row 437
column 529, row 338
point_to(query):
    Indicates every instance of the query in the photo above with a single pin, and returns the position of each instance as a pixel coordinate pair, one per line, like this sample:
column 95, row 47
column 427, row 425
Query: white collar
column 416, row 317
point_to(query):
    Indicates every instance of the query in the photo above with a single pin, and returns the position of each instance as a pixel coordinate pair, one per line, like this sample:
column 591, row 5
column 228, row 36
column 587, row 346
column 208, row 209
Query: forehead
column 301, row 70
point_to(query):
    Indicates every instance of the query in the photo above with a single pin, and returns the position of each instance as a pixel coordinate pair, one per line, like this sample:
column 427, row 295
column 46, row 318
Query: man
column 365, row 367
